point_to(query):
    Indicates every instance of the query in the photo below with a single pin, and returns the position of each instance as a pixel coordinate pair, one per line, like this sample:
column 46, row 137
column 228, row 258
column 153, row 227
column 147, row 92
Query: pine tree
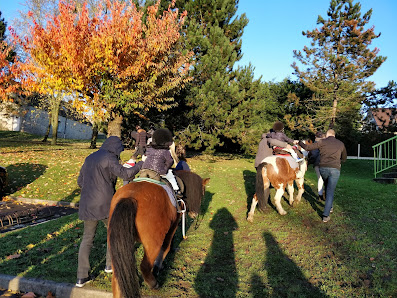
column 3, row 26
column 214, row 33
column 338, row 63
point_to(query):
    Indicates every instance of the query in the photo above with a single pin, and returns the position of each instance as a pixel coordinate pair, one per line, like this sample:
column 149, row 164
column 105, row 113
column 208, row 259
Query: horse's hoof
column 283, row 212
column 250, row 218
column 154, row 286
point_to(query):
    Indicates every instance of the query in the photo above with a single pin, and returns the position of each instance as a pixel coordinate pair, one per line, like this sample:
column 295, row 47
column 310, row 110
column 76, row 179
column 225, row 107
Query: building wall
column 35, row 121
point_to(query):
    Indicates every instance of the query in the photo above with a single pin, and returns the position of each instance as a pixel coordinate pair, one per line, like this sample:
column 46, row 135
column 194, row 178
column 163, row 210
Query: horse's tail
column 262, row 194
column 122, row 235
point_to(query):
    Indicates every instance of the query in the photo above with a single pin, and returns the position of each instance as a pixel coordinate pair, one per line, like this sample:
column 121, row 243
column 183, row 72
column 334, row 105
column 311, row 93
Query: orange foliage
column 10, row 74
column 144, row 62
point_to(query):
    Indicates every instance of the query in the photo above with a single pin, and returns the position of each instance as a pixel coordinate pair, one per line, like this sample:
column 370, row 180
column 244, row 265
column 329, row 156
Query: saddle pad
column 149, row 180
column 170, row 192
column 272, row 160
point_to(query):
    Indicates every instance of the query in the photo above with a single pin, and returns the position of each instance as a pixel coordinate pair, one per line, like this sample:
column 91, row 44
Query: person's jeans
column 330, row 177
column 83, row 267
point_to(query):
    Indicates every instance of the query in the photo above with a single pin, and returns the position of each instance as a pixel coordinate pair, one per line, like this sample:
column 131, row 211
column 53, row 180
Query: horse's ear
column 205, row 181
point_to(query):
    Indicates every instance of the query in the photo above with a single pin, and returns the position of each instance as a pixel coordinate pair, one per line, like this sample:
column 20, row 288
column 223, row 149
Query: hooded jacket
column 98, row 177
column 265, row 150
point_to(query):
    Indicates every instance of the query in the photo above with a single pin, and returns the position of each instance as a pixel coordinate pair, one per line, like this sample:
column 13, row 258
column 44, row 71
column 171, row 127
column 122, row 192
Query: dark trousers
column 83, row 267
column 141, row 150
column 330, row 177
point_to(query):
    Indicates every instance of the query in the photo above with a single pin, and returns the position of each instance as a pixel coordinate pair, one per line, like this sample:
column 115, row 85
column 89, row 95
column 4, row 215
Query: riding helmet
column 162, row 138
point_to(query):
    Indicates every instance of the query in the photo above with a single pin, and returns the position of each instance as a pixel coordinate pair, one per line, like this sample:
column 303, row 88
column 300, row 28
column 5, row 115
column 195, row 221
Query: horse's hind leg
column 165, row 248
column 290, row 188
column 146, row 268
column 277, row 200
column 250, row 216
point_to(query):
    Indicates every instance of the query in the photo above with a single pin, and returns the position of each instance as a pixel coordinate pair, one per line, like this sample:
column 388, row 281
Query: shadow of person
column 285, row 279
column 75, row 193
column 219, row 268
column 310, row 196
column 22, row 174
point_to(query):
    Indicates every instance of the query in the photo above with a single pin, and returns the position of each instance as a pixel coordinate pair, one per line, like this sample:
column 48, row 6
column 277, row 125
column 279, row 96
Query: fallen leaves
column 14, row 256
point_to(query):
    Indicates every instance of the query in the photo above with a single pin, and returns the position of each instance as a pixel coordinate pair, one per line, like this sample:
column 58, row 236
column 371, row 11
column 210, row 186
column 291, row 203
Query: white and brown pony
column 280, row 171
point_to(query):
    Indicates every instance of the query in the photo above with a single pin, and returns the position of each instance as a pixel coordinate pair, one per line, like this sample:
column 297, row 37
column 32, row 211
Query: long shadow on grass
column 284, row 277
column 217, row 277
column 48, row 251
column 22, row 174
column 310, row 196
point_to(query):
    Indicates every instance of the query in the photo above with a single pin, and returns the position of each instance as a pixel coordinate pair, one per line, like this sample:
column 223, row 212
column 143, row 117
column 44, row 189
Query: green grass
column 296, row 255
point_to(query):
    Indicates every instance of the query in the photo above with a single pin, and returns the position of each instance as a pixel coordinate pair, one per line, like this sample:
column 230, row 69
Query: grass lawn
column 296, row 255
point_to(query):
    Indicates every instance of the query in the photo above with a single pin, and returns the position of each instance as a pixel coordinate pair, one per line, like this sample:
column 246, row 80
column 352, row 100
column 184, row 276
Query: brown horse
column 142, row 211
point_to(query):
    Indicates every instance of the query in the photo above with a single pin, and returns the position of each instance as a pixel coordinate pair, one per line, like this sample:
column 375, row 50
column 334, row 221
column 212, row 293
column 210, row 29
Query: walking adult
column 140, row 138
column 332, row 153
column 97, row 180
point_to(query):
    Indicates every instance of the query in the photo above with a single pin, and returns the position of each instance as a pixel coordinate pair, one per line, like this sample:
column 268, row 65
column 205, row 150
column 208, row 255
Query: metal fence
column 385, row 155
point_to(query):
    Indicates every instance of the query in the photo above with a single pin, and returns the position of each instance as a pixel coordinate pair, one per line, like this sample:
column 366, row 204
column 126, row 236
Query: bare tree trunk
column 114, row 125
column 94, row 135
column 48, row 128
column 54, row 122
column 333, row 114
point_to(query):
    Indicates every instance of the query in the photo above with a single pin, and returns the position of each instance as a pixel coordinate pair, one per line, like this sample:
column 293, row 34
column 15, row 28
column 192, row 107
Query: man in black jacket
column 97, row 180
column 332, row 153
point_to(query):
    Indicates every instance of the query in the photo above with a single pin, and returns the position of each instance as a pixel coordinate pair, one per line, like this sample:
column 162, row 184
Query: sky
column 275, row 30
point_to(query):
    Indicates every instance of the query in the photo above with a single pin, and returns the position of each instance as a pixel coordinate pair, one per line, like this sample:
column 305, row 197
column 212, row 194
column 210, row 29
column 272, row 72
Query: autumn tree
column 137, row 62
column 117, row 62
column 337, row 65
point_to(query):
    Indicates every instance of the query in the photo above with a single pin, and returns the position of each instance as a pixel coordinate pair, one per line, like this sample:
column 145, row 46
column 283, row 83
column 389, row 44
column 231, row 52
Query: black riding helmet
column 162, row 139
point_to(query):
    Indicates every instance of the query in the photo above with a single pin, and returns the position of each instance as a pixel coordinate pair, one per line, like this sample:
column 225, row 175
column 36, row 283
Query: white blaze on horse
column 280, row 171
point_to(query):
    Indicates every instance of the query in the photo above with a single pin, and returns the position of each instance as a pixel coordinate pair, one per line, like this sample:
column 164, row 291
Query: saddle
column 147, row 173
column 281, row 151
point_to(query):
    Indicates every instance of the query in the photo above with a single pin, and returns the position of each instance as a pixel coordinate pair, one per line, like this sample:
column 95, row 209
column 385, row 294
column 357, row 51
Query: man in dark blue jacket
column 97, row 180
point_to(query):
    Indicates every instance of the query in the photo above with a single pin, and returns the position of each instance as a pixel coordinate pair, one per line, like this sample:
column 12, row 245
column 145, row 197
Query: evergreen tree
column 214, row 33
column 3, row 45
column 3, row 26
column 337, row 65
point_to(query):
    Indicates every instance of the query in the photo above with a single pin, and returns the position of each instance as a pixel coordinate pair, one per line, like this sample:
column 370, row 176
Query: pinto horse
column 142, row 211
column 280, row 172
